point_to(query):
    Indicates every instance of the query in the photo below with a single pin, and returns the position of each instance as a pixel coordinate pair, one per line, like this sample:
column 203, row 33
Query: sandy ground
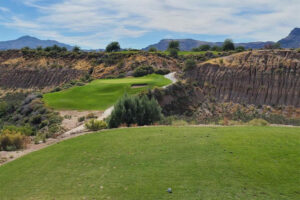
column 171, row 77
column 70, row 123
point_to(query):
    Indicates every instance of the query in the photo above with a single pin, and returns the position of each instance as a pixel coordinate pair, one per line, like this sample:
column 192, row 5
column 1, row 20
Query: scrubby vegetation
column 95, row 125
column 25, row 115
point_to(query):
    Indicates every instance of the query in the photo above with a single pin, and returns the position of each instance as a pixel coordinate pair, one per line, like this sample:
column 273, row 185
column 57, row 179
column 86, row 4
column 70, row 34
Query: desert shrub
column 189, row 65
column 122, row 75
column 95, row 125
column 68, row 117
column 162, row 71
column 143, row 70
column 258, row 122
column 11, row 140
column 173, row 53
column 24, row 130
column 298, row 50
column 37, row 119
column 91, row 116
column 240, row 49
column 139, row 110
column 40, row 138
column 152, row 49
column 81, row 119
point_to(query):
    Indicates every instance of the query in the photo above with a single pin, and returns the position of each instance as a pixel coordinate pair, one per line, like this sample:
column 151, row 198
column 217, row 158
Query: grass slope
column 141, row 163
column 100, row 94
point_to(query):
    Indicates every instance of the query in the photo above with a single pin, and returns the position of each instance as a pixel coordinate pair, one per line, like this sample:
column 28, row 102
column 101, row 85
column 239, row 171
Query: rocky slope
column 32, row 69
column 257, row 77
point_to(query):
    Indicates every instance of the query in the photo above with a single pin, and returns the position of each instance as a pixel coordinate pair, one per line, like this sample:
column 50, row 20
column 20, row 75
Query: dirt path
column 171, row 77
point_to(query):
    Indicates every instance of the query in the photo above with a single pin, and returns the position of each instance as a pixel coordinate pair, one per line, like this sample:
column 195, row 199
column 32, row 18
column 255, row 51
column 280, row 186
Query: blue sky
column 138, row 23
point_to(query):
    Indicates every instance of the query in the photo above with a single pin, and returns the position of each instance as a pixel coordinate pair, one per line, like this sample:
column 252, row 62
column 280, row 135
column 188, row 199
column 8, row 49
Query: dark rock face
column 258, row 77
column 23, row 78
column 292, row 40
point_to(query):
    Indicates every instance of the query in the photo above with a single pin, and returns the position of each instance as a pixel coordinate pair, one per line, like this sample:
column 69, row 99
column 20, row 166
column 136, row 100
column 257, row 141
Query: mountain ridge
column 31, row 42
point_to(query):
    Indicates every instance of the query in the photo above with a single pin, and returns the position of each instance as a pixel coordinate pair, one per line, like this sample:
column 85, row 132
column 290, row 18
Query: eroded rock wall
column 258, row 77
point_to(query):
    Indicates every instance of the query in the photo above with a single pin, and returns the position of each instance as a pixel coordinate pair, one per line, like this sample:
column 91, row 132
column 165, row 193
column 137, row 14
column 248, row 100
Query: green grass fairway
column 142, row 163
column 100, row 94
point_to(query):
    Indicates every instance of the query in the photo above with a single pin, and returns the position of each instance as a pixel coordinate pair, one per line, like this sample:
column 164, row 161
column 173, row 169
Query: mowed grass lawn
column 101, row 94
column 142, row 163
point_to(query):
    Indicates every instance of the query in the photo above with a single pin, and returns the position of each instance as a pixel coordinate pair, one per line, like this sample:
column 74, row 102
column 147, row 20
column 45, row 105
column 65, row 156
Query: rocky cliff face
column 39, row 78
column 257, row 77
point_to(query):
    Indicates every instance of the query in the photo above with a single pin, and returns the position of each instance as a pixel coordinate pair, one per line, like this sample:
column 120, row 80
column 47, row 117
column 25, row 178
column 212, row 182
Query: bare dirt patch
column 71, row 117
column 138, row 85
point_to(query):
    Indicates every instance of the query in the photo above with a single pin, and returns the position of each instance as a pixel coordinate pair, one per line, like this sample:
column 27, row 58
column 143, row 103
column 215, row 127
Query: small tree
column 173, row 45
column 113, row 47
column 216, row 48
column 204, row 47
column 228, row 45
column 139, row 110
column 152, row 49
column 240, row 49
column 76, row 49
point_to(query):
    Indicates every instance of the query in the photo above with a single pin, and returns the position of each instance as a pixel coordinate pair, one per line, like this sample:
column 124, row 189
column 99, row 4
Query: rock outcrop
column 258, row 77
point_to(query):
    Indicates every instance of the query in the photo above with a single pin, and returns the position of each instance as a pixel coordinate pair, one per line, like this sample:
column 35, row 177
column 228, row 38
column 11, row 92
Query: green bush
column 173, row 53
column 152, row 49
column 24, row 130
column 91, row 116
column 143, row 70
column 189, row 65
column 95, row 125
column 258, row 122
column 81, row 119
column 162, row 71
column 138, row 110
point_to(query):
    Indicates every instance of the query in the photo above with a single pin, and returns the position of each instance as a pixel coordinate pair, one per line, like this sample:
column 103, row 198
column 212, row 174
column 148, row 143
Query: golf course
column 103, row 93
column 142, row 163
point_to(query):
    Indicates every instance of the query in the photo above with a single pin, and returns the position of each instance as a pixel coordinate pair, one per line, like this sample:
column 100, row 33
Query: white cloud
column 100, row 21
column 3, row 9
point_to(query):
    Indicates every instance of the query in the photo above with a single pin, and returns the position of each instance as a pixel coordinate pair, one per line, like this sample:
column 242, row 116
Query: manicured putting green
column 142, row 163
column 101, row 94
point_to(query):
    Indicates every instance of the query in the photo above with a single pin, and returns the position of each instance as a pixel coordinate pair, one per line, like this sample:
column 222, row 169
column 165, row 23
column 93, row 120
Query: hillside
column 142, row 163
column 42, row 70
column 31, row 42
column 292, row 40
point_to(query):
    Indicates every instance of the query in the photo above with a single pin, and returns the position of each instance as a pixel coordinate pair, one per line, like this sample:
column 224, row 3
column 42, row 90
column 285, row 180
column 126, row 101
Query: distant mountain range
column 31, row 42
column 291, row 41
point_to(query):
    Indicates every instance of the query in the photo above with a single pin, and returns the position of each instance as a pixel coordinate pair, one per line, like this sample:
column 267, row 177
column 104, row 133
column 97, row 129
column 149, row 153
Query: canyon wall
column 257, row 77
